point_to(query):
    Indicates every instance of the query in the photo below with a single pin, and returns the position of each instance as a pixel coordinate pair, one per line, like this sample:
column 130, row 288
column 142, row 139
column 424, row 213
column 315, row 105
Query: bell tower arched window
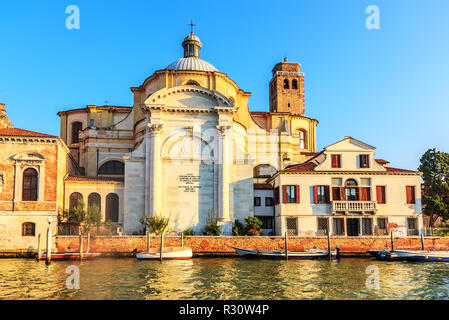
column 294, row 84
column 286, row 84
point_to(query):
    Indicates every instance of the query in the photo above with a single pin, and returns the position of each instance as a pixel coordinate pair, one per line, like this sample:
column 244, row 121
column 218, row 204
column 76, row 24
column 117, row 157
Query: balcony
column 354, row 206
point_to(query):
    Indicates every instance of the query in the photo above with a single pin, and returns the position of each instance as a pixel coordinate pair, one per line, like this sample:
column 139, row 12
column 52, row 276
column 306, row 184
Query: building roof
column 381, row 161
column 192, row 63
column 16, row 132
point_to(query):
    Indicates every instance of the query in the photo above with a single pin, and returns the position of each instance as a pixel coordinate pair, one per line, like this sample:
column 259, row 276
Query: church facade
column 190, row 149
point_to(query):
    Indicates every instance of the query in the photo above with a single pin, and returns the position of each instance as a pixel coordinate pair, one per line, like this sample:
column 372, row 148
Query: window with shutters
column 410, row 191
column 380, row 194
column 290, row 195
column 365, row 194
column 336, row 161
column 28, row 229
column 321, row 196
column 29, row 185
column 364, row 161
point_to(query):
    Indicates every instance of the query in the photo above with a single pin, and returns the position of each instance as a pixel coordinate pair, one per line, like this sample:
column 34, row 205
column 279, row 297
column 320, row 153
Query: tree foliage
column 253, row 226
column 156, row 223
column 435, row 169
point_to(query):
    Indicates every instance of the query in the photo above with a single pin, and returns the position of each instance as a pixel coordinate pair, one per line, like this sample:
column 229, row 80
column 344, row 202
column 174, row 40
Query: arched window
column 29, row 185
column 192, row 83
column 94, row 199
column 112, row 207
column 76, row 128
column 28, row 229
column 75, row 198
column 352, row 191
column 294, row 84
column 302, row 139
column 286, row 84
column 113, row 167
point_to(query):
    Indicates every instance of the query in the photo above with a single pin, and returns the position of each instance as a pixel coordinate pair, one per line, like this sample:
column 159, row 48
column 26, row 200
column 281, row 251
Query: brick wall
column 224, row 245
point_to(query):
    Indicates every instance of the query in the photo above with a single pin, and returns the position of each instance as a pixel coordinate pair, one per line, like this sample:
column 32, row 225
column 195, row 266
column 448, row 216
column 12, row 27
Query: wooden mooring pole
column 148, row 242
column 182, row 239
column 392, row 241
column 286, row 245
column 162, row 244
column 81, row 247
column 88, row 242
column 422, row 241
column 329, row 252
column 38, row 257
column 48, row 250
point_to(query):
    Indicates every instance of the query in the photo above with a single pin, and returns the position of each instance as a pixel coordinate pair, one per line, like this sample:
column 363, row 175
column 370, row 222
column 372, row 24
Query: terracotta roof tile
column 398, row 170
column 307, row 166
column 381, row 161
column 16, row 132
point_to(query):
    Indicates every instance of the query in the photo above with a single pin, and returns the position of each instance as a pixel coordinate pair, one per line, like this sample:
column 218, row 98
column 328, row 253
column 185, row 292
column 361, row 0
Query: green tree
column 435, row 169
column 156, row 224
column 93, row 218
column 238, row 228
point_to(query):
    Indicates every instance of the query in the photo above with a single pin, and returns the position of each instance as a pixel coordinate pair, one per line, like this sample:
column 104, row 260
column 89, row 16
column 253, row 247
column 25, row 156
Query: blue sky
column 387, row 87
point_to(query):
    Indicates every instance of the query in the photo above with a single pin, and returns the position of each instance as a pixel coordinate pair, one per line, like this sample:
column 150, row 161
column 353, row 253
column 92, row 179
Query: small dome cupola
column 192, row 46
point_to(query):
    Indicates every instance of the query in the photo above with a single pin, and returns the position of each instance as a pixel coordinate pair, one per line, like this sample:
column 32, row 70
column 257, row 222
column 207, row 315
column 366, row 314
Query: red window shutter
column 284, row 194
column 342, row 193
column 297, row 194
column 336, row 193
column 380, row 194
column 333, row 158
column 410, row 191
column 326, row 194
column 368, row 194
column 315, row 194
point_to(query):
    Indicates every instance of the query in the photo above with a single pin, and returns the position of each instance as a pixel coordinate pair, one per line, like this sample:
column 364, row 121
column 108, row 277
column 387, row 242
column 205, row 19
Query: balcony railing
column 354, row 206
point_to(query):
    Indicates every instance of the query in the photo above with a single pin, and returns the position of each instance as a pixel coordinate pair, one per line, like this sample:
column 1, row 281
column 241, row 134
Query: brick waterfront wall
column 224, row 245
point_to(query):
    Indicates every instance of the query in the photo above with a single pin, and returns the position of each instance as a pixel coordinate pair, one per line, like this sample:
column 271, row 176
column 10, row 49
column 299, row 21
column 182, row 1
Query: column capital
column 155, row 128
column 223, row 129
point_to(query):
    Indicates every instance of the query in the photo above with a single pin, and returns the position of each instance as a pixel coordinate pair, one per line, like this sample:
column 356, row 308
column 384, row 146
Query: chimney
column 4, row 121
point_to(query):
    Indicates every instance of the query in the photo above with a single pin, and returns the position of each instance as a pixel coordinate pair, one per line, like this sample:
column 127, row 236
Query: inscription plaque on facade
column 189, row 182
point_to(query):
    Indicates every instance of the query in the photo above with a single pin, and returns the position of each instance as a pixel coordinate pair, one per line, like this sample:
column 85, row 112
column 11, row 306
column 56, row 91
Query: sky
column 388, row 87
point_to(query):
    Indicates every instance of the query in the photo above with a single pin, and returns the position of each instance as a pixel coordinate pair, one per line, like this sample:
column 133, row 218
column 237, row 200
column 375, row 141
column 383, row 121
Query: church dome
column 191, row 63
column 192, row 49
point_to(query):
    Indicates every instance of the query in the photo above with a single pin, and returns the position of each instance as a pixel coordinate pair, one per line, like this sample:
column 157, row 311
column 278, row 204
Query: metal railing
column 354, row 206
column 436, row 232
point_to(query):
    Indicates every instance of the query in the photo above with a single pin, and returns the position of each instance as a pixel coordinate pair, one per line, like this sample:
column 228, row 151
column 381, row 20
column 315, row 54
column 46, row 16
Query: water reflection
column 223, row 278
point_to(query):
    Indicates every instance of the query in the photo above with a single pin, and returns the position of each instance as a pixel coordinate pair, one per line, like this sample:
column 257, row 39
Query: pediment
column 350, row 144
column 28, row 157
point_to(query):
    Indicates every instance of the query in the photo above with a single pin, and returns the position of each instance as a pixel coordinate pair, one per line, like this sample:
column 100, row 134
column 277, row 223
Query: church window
column 29, row 185
column 302, row 140
column 113, row 167
column 94, row 199
column 286, row 84
column 75, row 198
column 28, row 229
column 294, row 84
column 76, row 128
column 112, row 202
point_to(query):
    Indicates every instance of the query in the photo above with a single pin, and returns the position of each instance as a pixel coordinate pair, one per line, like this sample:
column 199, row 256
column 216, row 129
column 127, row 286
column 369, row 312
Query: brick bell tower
column 287, row 88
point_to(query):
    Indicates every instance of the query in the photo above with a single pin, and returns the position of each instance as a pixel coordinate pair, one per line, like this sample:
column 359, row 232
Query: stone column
column 225, row 153
column 155, row 206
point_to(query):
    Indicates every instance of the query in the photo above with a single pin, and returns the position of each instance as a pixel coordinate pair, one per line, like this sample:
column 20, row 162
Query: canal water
column 224, row 278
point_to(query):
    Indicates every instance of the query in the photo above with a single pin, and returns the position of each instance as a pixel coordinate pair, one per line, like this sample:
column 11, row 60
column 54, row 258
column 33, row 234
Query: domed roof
column 192, row 37
column 191, row 63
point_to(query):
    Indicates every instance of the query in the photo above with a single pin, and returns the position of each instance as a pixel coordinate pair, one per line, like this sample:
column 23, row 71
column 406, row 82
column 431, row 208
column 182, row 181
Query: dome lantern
column 192, row 46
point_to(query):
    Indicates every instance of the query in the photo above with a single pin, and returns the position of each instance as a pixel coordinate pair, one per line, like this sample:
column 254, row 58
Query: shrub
column 212, row 228
column 238, row 228
column 189, row 232
column 253, row 226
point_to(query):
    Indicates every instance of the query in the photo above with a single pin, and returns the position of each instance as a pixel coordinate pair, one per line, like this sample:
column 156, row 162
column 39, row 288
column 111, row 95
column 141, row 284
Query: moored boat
column 70, row 256
column 423, row 256
column 168, row 253
column 280, row 254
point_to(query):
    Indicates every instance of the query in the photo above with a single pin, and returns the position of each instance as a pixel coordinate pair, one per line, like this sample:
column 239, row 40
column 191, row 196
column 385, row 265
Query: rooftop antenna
column 192, row 25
